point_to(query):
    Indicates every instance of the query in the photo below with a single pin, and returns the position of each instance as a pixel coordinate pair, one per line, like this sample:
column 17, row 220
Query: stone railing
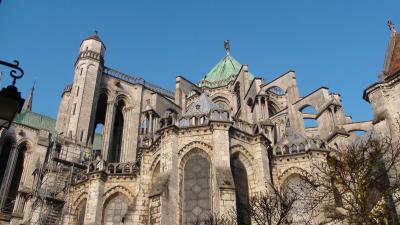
column 138, row 80
column 204, row 119
column 291, row 149
column 244, row 126
column 122, row 168
column 92, row 55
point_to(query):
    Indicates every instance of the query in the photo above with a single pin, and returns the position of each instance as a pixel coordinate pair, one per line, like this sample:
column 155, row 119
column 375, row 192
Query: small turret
column 93, row 43
column 81, row 102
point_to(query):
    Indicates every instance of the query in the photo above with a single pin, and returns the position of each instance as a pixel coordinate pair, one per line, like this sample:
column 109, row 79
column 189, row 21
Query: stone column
column 266, row 112
column 183, row 107
column 94, row 205
column 108, row 128
column 26, row 168
column 126, row 139
column 333, row 115
column 261, row 164
column 170, row 201
column 260, row 115
column 222, row 177
column 151, row 122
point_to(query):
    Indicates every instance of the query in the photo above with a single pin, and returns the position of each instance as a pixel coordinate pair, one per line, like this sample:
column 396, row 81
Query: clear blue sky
column 337, row 43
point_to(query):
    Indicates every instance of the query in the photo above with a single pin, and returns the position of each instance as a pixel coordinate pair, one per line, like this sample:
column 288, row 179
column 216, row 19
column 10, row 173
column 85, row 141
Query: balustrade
column 112, row 168
column 138, row 80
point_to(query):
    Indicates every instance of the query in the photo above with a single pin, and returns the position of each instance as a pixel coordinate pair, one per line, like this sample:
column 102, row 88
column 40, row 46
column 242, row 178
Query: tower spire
column 28, row 103
column 391, row 26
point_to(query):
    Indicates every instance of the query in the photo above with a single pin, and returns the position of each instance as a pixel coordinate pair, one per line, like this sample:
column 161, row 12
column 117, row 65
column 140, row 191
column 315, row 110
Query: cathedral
column 126, row 151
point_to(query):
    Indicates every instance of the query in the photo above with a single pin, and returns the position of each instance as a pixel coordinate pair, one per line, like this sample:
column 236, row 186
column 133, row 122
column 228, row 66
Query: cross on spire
column 227, row 47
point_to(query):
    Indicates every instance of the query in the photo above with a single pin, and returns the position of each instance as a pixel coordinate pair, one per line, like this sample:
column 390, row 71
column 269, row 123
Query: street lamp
column 10, row 99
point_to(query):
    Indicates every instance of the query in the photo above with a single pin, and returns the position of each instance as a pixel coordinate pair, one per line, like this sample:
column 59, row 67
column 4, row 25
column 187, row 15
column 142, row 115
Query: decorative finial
column 96, row 32
column 227, row 47
column 391, row 26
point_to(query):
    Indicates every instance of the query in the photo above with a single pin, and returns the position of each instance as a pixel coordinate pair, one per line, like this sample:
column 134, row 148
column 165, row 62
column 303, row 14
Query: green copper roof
column 226, row 70
column 36, row 120
column 41, row 122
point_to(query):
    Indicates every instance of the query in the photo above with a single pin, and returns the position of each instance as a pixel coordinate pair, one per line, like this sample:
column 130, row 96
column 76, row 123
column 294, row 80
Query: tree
column 359, row 183
column 216, row 219
column 272, row 208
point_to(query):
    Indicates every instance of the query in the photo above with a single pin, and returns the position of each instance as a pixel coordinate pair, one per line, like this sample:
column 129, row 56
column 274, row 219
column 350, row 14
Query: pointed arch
column 195, row 145
column 16, row 177
column 115, row 152
column 292, row 170
column 309, row 113
column 273, row 108
column 116, row 209
column 118, row 189
column 79, row 208
column 78, row 200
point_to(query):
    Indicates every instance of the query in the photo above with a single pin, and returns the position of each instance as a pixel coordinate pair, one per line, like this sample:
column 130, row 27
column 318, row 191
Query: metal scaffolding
column 53, row 180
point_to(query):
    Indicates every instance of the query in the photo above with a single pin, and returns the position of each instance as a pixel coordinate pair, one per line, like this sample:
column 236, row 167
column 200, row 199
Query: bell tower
column 84, row 92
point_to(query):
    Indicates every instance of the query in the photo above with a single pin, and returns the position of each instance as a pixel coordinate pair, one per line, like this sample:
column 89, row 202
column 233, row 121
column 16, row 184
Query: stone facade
column 124, row 151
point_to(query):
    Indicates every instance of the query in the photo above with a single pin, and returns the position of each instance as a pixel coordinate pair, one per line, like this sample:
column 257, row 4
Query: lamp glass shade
column 10, row 104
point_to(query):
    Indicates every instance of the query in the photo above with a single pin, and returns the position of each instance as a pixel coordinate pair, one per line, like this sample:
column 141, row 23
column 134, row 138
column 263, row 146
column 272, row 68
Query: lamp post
column 11, row 101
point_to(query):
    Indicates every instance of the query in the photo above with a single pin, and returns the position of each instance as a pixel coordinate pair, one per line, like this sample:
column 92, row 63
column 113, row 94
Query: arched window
column 221, row 105
column 250, row 102
column 215, row 115
column 272, row 108
column 81, row 212
column 302, row 148
column 156, row 172
column 241, row 190
column 100, row 121
column 237, row 92
column 196, row 190
column 224, row 116
column 297, row 188
column 278, row 151
column 16, row 177
column 5, row 150
column 116, row 210
column 115, row 151
column 308, row 112
column 221, row 102
column 285, row 149
column 293, row 149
